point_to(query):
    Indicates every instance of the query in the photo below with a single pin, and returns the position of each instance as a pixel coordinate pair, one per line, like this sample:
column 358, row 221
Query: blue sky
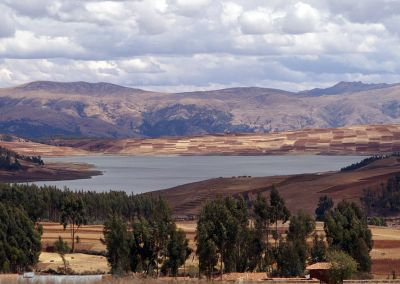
column 182, row 45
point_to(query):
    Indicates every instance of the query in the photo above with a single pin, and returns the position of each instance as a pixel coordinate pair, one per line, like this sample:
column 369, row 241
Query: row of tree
column 46, row 203
column 149, row 243
column 236, row 238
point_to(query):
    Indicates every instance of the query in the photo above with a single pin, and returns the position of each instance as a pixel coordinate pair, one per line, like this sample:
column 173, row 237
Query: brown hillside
column 301, row 192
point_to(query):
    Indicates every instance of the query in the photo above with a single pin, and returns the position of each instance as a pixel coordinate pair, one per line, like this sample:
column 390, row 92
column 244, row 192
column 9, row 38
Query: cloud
column 200, row 44
column 189, row 8
column 139, row 65
column 26, row 44
column 7, row 22
column 258, row 21
column 302, row 18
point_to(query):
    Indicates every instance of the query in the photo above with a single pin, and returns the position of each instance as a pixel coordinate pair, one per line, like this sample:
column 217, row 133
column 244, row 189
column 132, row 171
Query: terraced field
column 361, row 140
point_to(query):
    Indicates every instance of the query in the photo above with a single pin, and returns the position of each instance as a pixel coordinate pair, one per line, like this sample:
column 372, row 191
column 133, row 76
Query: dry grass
column 79, row 263
column 89, row 235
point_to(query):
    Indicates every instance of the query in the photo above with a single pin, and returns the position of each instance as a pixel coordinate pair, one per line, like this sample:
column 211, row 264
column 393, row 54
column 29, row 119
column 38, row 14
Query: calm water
column 141, row 174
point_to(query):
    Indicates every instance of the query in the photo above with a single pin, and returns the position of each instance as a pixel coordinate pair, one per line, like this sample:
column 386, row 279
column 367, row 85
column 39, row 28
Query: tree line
column 45, row 203
column 367, row 161
column 233, row 236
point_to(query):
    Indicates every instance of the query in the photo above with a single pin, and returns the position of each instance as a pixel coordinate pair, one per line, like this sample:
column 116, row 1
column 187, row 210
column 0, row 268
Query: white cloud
column 173, row 44
column 139, row 65
column 190, row 8
column 26, row 44
column 258, row 21
column 230, row 13
column 302, row 18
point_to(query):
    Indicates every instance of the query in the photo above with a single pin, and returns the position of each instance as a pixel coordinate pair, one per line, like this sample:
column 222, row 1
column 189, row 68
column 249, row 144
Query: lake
column 143, row 174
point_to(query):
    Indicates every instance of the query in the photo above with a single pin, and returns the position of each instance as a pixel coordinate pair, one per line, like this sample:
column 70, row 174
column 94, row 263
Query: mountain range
column 79, row 109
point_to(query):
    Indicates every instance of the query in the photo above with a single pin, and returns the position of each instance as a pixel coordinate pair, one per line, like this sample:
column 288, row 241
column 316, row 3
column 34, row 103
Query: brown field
column 89, row 235
column 385, row 253
column 361, row 140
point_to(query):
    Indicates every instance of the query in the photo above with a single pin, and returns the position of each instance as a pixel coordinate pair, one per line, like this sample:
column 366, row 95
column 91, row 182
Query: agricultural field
column 385, row 253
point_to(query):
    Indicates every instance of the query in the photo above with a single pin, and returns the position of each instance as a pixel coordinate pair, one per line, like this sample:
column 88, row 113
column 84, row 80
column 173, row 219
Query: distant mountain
column 346, row 87
column 81, row 109
column 83, row 88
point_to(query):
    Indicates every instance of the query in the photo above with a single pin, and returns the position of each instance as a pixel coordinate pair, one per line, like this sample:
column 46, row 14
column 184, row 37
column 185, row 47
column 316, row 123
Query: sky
column 183, row 45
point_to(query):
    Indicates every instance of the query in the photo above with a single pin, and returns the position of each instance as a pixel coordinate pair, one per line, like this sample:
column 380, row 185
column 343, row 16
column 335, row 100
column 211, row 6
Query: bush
column 343, row 266
column 377, row 221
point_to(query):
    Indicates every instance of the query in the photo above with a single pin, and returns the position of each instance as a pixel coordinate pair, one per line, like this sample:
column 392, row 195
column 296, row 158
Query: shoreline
column 50, row 172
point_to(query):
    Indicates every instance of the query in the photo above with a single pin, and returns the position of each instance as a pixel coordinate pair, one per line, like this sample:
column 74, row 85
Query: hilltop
column 104, row 110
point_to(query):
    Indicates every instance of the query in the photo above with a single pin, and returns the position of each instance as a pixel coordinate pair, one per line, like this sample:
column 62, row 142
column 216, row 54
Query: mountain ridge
column 81, row 109
column 91, row 87
column 346, row 87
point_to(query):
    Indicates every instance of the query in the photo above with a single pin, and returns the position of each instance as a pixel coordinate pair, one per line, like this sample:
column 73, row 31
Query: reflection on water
column 142, row 174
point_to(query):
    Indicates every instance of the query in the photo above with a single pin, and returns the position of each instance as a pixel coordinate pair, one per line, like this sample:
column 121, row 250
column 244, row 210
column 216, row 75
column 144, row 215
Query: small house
column 320, row 271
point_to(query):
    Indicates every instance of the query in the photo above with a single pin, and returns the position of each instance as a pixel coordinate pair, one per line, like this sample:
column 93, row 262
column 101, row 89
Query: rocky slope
column 80, row 109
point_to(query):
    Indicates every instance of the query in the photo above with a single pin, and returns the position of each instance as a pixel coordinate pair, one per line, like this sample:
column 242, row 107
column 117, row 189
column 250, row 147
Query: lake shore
column 49, row 172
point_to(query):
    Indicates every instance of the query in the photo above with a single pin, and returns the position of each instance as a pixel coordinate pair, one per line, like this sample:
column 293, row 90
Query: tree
column 207, row 252
column 117, row 239
column 222, row 229
column 161, row 225
column 346, row 229
column 325, row 204
column 143, row 251
column 278, row 211
column 288, row 261
column 343, row 266
column 73, row 214
column 260, row 241
column 291, row 255
column 300, row 227
column 62, row 248
column 214, row 223
column 19, row 241
column 178, row 251
column 318, row 249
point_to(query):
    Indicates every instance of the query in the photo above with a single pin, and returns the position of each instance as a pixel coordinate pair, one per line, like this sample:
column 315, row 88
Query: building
column 320, row 271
